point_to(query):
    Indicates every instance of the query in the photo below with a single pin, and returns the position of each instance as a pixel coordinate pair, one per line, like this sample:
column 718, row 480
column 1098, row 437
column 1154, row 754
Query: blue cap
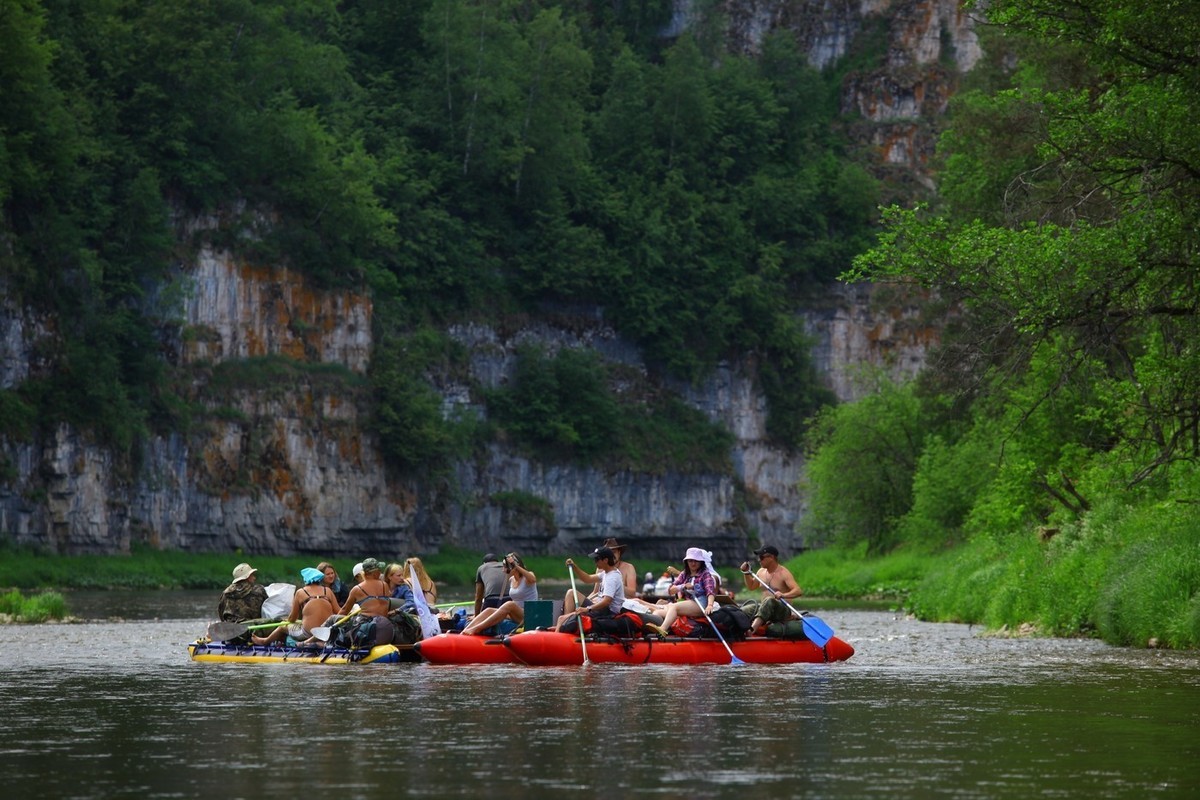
column 311, row 575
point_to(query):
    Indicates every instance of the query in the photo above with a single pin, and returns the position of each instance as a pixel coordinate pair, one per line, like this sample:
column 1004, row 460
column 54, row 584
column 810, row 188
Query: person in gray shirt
column 491, row 581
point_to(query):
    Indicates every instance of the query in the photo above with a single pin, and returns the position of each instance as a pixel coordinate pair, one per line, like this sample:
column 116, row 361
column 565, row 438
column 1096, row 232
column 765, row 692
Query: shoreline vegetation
column 1038, row 591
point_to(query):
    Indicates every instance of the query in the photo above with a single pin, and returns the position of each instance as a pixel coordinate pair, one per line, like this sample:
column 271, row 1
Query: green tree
column 862, row 459
column 1097, row 247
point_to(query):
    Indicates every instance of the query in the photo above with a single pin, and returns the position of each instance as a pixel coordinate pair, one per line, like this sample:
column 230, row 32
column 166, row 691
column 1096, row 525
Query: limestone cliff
column 286, row 465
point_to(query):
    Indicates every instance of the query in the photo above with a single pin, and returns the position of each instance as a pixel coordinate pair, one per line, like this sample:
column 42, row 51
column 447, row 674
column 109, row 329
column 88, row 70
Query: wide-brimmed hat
column 696, row 554
column 613, row 544
column 372, row 565
column 242, row 571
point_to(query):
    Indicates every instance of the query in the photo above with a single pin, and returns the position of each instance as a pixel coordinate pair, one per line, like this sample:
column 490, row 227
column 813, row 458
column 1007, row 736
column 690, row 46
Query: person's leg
column 571, row 601
column 273, row 636
column 562, row 621
column 482, row 620
column 687, row 608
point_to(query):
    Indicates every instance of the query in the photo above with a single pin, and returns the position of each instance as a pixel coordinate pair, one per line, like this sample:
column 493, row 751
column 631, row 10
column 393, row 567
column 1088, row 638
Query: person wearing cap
column 490, row 582
column 694, row 590
column 312, row 604
column 610, row 599
column 629, row 576
column 371, row 594
column 522, row 587
column 356, row 573
column 243, row 599
column 777, row 584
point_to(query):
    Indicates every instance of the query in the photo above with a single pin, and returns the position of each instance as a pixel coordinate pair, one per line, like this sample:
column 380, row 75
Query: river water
column 114, row 708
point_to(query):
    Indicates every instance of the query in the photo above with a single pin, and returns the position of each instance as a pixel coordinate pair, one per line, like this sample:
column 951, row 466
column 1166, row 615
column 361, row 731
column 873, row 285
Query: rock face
column 288, row 467
column 927, row 45
column 285, row 463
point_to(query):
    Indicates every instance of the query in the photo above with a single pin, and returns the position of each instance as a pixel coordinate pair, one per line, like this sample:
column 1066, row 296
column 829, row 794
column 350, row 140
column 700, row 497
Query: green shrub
column 37, row 608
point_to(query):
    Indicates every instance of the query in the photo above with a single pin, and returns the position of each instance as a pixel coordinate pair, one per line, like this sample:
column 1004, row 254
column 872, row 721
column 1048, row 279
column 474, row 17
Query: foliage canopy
column 460, row 157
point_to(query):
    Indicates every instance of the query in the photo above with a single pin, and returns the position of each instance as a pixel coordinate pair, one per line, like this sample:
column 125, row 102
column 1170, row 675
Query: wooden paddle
column 224, row 631
column 578, row 613
column 814, row 628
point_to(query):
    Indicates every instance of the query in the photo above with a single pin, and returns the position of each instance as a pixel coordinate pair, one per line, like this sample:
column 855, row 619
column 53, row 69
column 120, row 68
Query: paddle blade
column 816, row 630
column 224, row 631
column 322, row 633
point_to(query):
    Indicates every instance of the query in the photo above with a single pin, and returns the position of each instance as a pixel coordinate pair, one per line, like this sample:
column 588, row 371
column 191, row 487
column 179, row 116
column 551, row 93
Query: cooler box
column 539, row 614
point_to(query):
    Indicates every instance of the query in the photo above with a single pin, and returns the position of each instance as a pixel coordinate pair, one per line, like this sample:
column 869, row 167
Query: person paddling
column 611, row 599
column 777, row 584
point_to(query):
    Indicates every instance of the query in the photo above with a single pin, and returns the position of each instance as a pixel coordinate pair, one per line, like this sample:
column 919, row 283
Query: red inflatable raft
column 548, row 649
column 454, row 648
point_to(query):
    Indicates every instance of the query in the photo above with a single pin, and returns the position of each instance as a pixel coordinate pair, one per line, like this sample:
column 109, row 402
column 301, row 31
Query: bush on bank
column 37, row 608
column 1130, row 576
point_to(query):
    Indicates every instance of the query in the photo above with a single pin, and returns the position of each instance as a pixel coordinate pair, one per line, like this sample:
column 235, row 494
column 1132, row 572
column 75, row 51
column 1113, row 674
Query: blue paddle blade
column 816, row 630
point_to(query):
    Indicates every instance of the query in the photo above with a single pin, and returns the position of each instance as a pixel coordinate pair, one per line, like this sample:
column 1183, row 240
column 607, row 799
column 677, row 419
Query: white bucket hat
column 242, row 571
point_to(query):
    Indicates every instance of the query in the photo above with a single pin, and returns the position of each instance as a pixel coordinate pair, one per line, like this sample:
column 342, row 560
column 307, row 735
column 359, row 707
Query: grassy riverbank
column 1101, row 581
column 145, row 568
column 1118, row 579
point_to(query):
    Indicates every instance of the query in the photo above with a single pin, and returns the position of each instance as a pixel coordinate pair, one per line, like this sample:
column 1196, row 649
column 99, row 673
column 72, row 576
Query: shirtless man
column 777, row 582
column 312, row 605
column 629, row 579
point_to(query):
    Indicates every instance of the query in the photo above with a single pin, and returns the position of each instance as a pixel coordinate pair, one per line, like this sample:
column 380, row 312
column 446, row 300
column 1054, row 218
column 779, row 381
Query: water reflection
column 111, row 708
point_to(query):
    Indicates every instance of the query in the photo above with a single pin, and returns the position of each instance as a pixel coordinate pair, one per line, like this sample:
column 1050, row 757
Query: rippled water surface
column 112, row 708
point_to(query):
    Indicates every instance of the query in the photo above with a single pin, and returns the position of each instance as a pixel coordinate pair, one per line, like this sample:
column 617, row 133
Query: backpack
column 358, row 632
column 572, row 625
column 624, row 625
column 732, row 622
column 691, row 628
column 406, row 628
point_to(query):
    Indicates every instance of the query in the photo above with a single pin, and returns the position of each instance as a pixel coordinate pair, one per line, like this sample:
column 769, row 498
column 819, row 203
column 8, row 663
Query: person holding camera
column 522, row 587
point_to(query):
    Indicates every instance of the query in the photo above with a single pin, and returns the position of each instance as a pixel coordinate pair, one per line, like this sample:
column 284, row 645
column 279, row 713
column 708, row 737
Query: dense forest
column 457, row 158
column 1054, row 441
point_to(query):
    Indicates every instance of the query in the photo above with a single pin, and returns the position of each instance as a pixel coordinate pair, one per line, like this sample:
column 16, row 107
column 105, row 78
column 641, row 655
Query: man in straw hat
column 243, row 599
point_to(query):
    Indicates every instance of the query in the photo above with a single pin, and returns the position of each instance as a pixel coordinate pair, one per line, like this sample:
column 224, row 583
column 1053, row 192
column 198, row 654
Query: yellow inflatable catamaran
column 226, row 653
